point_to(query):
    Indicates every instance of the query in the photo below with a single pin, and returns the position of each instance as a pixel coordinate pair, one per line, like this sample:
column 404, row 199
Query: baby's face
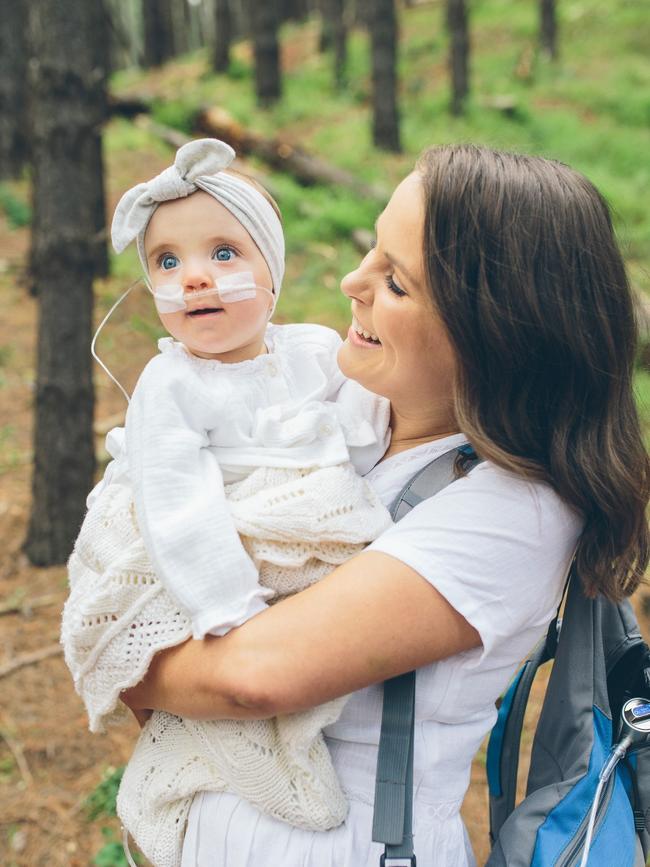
column 193, row 242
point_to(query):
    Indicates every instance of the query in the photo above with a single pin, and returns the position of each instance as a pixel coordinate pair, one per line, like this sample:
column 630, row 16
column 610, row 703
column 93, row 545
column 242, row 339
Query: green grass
column 642, row 389
column 591, row 109
column 100, row 805
column 16, row 209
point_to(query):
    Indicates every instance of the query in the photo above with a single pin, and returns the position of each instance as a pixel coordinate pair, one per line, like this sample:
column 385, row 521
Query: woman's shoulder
column 495, row 545
column 495, row 502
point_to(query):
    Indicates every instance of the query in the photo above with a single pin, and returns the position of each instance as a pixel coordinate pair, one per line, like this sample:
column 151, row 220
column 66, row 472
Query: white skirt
column 225, row 831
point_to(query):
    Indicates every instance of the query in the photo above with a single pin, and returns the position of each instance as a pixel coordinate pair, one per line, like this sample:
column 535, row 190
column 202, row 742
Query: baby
column 236, row 481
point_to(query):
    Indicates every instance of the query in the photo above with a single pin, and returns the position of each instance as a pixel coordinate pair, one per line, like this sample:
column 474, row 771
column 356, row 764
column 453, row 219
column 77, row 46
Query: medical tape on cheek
column 169, row 298
column 238, row 287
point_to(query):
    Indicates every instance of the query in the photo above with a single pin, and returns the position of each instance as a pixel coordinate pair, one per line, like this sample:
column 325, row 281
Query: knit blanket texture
column 296, row 525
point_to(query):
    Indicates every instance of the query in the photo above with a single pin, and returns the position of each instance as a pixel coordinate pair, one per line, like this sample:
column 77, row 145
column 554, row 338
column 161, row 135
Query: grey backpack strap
column 502, row 762
column 503, row 753
column 392, row 820
column 393, row 815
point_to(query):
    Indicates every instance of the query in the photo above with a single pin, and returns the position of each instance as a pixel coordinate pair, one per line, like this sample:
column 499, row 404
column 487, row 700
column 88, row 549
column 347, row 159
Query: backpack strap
column 393, row 812
column 502, row 763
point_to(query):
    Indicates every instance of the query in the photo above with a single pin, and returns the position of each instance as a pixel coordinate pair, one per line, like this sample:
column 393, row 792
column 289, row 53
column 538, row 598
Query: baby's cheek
column 173, row 323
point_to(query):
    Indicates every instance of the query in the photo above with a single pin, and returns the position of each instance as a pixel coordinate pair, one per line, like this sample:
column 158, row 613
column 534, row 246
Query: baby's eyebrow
column 158, row 249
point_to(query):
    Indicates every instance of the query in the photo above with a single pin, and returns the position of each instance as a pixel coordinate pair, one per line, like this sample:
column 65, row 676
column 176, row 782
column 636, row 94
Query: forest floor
column 49, row 763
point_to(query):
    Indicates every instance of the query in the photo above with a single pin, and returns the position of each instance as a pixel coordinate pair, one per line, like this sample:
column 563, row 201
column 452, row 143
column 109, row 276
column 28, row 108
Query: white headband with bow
column 199, row 165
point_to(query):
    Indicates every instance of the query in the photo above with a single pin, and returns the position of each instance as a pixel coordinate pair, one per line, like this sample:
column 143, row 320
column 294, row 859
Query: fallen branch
column 174, row 138
column 30, row 659
column 305, row 168
column 16, row 749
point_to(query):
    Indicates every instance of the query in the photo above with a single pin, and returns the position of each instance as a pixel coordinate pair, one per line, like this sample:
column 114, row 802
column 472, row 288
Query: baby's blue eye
column 168, row 261
column 223, row 254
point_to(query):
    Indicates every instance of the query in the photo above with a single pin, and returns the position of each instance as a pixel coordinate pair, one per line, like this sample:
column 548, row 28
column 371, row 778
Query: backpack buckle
column 383, row 860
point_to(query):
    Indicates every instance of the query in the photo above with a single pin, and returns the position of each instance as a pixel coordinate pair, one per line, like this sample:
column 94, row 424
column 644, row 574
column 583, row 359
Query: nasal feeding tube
column 172, row 298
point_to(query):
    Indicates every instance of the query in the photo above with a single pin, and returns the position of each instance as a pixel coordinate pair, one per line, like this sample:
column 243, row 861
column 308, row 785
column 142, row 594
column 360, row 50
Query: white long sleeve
column 194, row 424
column 180, row 503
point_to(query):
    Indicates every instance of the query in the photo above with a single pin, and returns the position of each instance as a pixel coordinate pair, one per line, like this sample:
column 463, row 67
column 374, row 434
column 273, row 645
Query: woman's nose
column 357, row 284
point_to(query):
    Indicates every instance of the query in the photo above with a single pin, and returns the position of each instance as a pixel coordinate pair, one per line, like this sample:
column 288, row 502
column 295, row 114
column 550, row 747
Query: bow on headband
column 205, row 156
column 199, row 165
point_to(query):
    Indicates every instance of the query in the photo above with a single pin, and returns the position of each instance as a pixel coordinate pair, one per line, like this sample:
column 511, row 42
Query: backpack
column 600, row 662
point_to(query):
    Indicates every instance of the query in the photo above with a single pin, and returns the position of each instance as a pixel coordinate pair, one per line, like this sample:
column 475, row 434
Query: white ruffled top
column 195, row 424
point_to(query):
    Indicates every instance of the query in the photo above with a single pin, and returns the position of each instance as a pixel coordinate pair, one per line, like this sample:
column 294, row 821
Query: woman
column 495, row 304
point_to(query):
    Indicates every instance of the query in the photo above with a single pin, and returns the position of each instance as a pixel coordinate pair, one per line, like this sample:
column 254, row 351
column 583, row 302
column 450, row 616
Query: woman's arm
column 372, row 618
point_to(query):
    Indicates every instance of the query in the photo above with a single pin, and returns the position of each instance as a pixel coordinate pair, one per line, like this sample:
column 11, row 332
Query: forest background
column 484, row 71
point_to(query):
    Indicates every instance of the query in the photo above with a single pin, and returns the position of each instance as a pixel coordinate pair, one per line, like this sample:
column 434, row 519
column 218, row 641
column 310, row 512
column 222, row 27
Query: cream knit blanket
column 296, row 525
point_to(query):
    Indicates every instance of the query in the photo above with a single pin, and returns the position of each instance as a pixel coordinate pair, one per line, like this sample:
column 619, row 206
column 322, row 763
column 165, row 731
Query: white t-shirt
column 498, row 548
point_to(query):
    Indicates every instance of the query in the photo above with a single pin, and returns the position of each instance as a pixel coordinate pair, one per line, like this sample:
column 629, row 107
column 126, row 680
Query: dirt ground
column 49, row 762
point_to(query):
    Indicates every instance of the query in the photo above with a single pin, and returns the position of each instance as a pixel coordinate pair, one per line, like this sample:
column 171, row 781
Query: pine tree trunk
column 266, row 48
column 158, row 25
column 333, row 13
column 99, row 37
column 458, row 53
column 548, row 28
column 125, row 37
column 326, row 35
column 223, row 35
column 14, row 151
column 362, row 12
column 68, row 97
column 293, row 10
column 383, row 34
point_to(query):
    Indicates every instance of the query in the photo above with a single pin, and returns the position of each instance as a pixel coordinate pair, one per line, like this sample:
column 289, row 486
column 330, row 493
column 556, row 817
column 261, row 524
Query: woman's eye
column 394, row 288
column 168, row 261
column 223, row 254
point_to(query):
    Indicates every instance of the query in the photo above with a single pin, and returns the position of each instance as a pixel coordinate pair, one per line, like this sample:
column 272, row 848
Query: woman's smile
column 360, row 337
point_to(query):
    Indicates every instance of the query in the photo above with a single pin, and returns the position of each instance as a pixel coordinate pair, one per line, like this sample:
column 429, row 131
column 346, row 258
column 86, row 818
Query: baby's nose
column 198, row 275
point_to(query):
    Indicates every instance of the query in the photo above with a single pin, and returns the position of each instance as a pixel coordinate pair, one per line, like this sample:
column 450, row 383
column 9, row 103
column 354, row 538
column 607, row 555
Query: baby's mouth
column 205, row 311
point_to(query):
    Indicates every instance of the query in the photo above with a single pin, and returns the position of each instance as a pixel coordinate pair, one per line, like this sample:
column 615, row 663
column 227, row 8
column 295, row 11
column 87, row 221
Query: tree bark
column 158, row 25
column 362, row 12
column 266, row 48
column 68, row 98
column 334, row 25
column 458, row 53
column 14, row 150
column 99, row 35
column 223, row 35
column 548, row 28
column 383, row 35
column 293, row 10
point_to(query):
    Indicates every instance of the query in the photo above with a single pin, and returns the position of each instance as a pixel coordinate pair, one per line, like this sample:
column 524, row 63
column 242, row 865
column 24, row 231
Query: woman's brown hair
column 525, row 272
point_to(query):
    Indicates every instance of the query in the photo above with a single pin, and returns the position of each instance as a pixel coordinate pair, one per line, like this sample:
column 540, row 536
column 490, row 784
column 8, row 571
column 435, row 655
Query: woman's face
column 193, row 242
column 397, row 346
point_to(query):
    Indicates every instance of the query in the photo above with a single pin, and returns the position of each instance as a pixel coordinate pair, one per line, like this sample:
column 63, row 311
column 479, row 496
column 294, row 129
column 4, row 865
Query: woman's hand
column 370, row 619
